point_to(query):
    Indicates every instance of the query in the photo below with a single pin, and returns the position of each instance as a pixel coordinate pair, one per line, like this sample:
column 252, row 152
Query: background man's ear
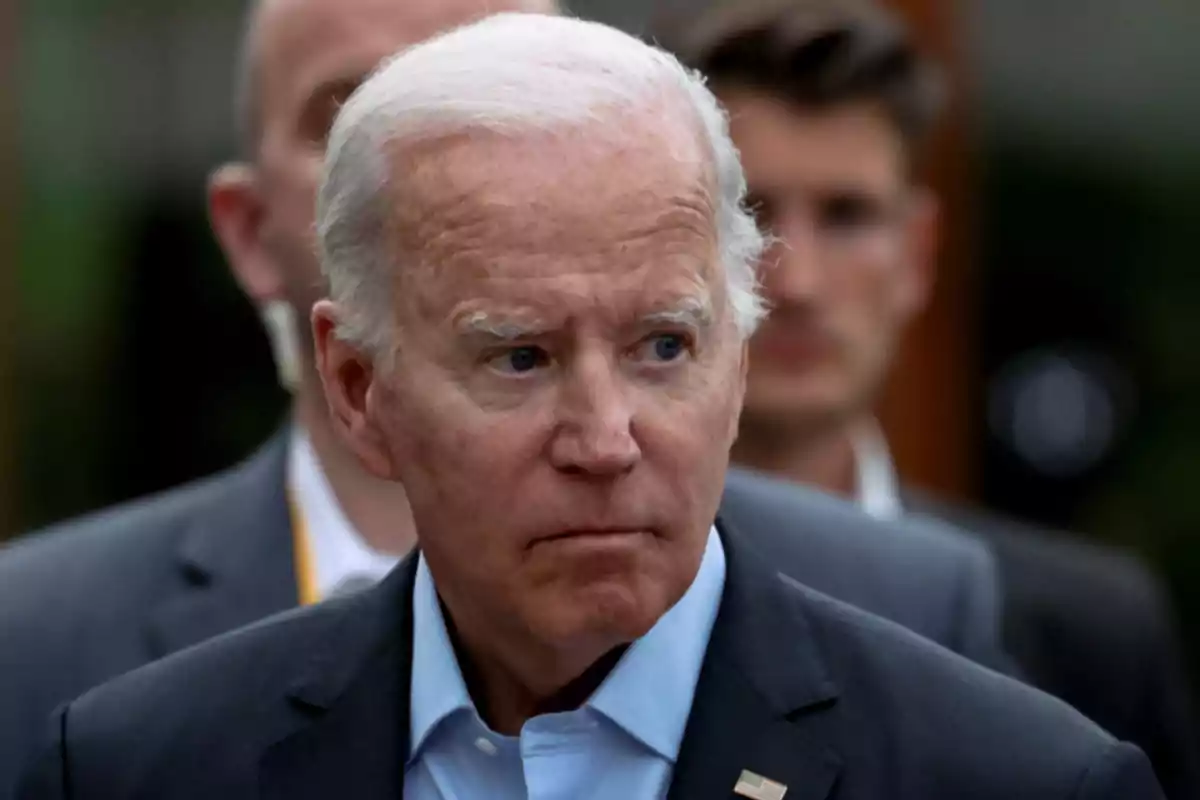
column 922, row 240
column 236, row 212
column 349, row 380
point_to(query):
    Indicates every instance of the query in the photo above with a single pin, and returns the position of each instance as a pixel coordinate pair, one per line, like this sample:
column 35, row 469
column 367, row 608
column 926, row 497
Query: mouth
column 590, row 535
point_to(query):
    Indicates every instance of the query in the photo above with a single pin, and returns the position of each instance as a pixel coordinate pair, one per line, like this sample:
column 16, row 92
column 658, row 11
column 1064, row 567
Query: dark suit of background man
column 542, row 283
column 829, row 101
column 301, row 520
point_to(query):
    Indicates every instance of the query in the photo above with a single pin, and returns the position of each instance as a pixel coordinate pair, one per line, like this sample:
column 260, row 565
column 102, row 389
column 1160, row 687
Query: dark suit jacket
column 1089, row 625
column 824, row 698
column 95, row 598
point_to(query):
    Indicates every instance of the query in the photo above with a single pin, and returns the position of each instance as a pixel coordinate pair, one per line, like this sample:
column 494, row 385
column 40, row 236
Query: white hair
column 510, row 74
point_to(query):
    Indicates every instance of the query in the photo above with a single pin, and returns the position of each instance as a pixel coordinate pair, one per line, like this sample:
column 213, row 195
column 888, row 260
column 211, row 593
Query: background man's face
column 849, row 267
column 566, row 363
column 310, row 56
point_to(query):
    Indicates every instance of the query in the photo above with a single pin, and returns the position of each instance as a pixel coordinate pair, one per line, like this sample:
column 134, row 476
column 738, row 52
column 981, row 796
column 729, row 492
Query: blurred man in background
column 829, row 102
column 301, row 521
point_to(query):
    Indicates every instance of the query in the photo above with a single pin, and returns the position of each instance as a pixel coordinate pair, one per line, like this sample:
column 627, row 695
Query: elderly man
column 302, row 520
column 542, row 285
column 830, row 101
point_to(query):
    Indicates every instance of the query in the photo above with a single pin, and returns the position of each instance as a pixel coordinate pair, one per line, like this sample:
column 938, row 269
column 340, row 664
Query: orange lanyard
column 306, row 579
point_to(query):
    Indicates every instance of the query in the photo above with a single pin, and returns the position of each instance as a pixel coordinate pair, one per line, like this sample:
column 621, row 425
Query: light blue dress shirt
column 620, row 745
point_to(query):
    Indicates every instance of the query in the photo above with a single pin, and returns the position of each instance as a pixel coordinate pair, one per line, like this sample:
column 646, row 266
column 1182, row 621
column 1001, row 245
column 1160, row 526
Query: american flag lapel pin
column 756, row 787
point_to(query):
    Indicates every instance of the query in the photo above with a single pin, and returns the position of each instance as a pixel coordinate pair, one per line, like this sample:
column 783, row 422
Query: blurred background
column 1057, row 376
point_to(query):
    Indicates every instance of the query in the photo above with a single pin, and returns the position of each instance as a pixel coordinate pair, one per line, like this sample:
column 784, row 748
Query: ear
column 921, row 241
column 236, row 211
column 349, row 378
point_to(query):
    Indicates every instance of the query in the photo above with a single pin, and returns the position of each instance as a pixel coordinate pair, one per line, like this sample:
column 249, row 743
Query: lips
column 590, row 533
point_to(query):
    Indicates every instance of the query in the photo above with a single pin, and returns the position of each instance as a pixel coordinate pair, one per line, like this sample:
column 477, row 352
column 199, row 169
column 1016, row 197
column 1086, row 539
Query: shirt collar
column 648, row 694
column 339, row 554
column 438, row 688
column 876, row 486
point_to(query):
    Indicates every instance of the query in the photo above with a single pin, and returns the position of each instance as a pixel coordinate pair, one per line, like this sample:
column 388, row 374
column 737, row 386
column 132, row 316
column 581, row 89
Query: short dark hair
column 815, row 53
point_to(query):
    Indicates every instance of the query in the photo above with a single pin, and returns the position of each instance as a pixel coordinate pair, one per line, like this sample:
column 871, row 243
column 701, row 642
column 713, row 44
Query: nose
column 791, row 271
column 595, row 431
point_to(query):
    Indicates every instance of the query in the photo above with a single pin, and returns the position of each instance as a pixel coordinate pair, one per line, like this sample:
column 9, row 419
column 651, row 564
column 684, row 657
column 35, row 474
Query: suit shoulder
column 1099, row 570
column 900, row 679
column 920, row 573
column 196, row 692
column 1059, row 570
column 782, row 505
column 116, row 561
column 88, row 551
column 94, row 547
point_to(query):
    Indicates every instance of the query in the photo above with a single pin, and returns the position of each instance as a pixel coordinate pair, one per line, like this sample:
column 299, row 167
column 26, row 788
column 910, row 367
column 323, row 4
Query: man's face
column 310, row 55
column 567, row 379
column 849, row 267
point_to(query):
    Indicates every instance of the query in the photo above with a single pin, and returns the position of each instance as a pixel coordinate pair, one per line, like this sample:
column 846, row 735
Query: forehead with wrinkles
column 480, row 208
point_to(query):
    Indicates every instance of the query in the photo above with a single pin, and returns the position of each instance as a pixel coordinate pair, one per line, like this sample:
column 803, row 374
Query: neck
column 377, row 509
column 506, row 699
column 818, row 456
column 513, row 678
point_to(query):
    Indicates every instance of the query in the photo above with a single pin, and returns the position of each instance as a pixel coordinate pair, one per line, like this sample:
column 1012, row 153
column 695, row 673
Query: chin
column 610, row 613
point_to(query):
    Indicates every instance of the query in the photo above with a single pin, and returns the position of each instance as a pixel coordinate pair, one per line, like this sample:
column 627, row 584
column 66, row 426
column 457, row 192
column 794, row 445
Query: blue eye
column 668, row 346
column 522, row 359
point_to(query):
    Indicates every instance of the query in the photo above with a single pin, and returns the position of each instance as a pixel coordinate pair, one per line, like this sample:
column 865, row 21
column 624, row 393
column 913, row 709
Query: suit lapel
column 764, row 701
column 350, row 704
column 235, row 559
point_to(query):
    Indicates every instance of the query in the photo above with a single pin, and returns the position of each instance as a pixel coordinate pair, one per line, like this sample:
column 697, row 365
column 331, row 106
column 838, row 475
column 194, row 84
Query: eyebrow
column 480, row 323
column 692, row 312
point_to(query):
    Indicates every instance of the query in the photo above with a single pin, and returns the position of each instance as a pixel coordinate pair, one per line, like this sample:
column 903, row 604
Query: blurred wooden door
column 929, row 406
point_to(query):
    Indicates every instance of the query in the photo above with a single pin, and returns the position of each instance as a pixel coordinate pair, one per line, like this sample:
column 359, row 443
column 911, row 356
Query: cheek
column 450, row 446
column 862, row 295
column 290, row 225
column 293, row 176
column 693, row 426
column 868, row 319
column 475, row 478
column 303, row 185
